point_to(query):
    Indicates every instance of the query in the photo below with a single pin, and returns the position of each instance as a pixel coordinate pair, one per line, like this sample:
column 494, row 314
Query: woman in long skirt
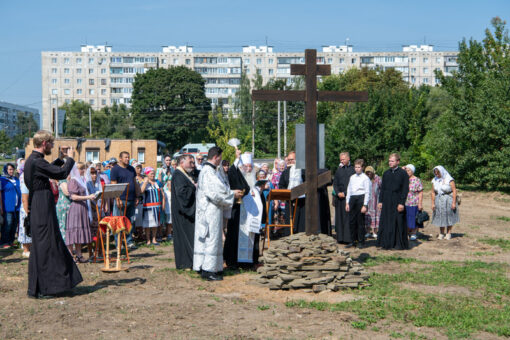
column 444, row 203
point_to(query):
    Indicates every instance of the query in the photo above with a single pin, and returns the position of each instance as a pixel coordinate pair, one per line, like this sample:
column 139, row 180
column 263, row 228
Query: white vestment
column 295, row 178
column 249, row 225
column 212, row 198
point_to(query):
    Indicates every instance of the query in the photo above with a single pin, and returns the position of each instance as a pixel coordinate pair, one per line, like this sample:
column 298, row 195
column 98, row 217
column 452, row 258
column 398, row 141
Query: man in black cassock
column 237, row 182
column 183, row 212
column 51, row 269
column 393, row 226
column 292, row 177
column 340, row 183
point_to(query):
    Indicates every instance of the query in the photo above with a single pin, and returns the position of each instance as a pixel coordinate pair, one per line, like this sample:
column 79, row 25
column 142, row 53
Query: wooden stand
column 279, row 195
column 105, row 195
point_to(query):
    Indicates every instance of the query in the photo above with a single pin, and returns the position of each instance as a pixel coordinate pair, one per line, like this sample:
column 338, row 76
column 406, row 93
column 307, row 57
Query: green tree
column 5, row 143
column 76, row 123
column 27, row 126
column 170, row 105
column 472, row 137
column 113, row 122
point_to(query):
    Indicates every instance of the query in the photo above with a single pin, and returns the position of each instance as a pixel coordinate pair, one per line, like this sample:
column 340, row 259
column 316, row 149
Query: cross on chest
column 310, row 96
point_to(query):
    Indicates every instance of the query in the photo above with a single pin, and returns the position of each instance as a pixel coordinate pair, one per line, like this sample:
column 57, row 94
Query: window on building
column 67, row 81
column 91, row 81
column 54, row 91
column 53, row 60
column 67, row 101
column 66, row 60
column 78, row 81
column 163, row 61
column 91, row 155
column 78, row 60
column 425, row 80
column 247, row 70
column 425, row 70
column 54, row 81
column 413, row 59
column 259, row 61
column 425, row 60
column 141, row 155
column 176, row 61
column 91, row 70
column 67, row 91
column 103, row 81
column 54, row 71
column 188, row 61
column 438, row 60
column 103, row 92
column 330, row 60
column 91, row 60
column 438, row 81
column 341, row 60
column 91, row 101
column 353, row 61
column 79, row 91
column 413, row 79
column 413, row 70
column 91, row 91
column 271, row 71
column 66, row 71
column 259, row 71
column 103, row 101
column 103, row 71
column 270, row 61
column 78, row 71
column 247, row 61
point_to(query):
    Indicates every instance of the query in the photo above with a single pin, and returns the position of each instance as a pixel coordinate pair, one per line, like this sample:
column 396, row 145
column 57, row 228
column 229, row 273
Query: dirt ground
column 153, row 301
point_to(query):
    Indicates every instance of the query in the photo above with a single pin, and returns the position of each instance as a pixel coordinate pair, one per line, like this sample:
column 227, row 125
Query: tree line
column 462, row 123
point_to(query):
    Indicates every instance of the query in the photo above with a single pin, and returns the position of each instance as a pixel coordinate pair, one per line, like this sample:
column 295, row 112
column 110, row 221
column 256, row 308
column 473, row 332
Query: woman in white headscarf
column 444, row 202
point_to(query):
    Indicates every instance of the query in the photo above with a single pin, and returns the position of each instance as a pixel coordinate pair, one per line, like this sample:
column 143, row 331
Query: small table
column 279, row 195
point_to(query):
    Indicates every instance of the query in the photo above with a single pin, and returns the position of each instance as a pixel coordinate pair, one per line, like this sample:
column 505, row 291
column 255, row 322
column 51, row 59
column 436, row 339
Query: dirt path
column 153, row 300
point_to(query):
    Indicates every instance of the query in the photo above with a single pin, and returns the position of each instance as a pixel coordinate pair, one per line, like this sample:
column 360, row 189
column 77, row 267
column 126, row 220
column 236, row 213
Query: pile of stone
column 310, row 262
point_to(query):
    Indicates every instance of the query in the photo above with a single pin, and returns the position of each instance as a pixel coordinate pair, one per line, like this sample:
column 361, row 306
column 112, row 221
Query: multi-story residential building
column 9, row 117
column 101, row 77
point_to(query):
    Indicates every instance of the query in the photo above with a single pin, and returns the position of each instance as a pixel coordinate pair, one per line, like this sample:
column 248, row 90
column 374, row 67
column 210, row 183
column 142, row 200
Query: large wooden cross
column 310, row 96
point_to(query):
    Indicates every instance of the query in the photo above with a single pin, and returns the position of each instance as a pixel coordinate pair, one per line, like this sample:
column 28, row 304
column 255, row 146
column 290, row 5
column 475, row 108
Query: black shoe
column 209, row 276
column 350, row 245
column 43, row 297
column 360, row 245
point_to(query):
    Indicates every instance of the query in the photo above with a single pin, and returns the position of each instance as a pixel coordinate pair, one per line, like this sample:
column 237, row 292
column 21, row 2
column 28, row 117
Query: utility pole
column 285, row 127
column 279, row 137
column 90, row 123
column 253, row 128
column 56, row 117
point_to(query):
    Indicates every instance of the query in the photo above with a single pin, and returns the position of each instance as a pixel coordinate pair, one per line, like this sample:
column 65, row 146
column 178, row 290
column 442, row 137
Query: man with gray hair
column 183, row 190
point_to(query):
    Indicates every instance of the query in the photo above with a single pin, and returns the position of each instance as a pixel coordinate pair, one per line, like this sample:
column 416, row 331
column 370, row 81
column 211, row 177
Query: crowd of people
column 213, row 211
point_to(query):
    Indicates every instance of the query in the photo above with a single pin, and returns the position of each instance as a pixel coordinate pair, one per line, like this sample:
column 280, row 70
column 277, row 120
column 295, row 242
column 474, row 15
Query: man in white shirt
column 358, row 196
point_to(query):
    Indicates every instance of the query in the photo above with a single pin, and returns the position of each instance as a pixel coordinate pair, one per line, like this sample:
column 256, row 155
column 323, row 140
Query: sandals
column 80, row 259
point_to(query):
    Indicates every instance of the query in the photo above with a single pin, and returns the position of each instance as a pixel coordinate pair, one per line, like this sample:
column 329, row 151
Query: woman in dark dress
column 51, row 269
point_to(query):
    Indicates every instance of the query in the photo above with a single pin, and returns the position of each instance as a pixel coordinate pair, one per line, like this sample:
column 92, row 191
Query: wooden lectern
column 112, row 191
column 279, row 195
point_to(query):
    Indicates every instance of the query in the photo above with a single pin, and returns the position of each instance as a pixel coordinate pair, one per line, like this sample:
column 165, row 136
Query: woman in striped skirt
column 153, row 200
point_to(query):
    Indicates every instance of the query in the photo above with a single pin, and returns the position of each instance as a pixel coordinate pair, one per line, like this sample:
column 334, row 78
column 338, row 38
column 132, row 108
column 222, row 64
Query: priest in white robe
column 212, row 198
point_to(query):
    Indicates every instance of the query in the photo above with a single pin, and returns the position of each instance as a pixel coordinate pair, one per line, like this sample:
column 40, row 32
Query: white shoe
column 412, row 238
column 367, row 235
column 374, row 235
column 440, row 236
column 448, row 236
column 26, row 254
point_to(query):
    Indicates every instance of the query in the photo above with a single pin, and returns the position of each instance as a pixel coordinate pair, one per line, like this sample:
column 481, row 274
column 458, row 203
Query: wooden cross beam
column 310, row 96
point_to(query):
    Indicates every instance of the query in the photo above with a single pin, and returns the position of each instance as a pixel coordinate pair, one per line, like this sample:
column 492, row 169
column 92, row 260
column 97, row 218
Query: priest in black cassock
column 51, row 268
column 183, row 191
column 340, row 183
column 291, row 178
column 237, row 181
column 393, row 226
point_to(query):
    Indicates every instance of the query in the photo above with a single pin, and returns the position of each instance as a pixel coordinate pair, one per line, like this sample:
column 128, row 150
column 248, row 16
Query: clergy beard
column 249, row 177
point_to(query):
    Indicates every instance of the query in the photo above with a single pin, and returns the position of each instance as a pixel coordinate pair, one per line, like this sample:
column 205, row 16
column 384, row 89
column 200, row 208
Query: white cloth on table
column 212, row 197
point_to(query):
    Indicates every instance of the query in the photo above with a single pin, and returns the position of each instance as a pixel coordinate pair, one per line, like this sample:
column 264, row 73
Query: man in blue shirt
column 11, row 203
column 122, row 172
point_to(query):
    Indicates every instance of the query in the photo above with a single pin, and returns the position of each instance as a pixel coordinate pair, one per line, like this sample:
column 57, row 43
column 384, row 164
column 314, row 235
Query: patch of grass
column 502, row 199
column 500, row 242
column 359, row 324
column 166, row 259
column 483, row 253
column 396, row 335
column 377, row 260
column 262, row 307
column 457, row 316
column 503, row 218
column 474, row 227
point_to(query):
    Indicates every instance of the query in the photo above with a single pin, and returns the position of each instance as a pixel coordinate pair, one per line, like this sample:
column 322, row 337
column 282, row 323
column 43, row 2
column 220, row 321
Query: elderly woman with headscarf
column 11, row 204
column 78, row 220
column 153, row 200
column 414, row 201
column 444, row 202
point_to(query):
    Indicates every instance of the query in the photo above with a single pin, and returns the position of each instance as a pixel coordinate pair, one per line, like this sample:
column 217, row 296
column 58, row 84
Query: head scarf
column 148, row 170
column 105, row 163
column 370, row 169
column 277, row 173
column 75, row 174
column 131, row 161
column 411, row 167
column 442, row 184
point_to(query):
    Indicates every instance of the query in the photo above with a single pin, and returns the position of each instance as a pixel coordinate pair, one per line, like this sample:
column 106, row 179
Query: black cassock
column 393, row 226
column 51, row 269
column 340, row 184
column 183, row 218
column 237, row 182
column 299, row 222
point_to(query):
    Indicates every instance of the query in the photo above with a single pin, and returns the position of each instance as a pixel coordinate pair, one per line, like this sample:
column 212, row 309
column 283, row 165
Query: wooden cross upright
column 310, row 96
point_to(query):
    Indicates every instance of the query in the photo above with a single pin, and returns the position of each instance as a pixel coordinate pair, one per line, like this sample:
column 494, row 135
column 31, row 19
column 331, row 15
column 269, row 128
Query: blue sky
column 29, row 27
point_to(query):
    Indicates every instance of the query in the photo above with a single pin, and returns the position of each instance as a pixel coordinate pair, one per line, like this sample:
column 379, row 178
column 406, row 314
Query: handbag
column 421, row 217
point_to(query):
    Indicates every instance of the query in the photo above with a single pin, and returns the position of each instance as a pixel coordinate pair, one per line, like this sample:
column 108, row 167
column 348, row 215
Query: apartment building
column 9, row 117
column 101, row 77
